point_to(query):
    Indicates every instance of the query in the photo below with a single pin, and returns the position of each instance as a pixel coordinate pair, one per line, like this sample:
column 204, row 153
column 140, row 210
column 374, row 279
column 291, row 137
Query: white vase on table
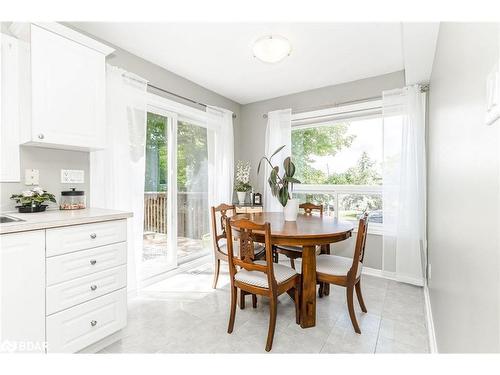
column 291, row 210
column 241, row 196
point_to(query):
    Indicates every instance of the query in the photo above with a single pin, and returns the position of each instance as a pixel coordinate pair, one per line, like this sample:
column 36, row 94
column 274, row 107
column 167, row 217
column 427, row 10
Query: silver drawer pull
column 93, row 287
column 41, row 136
column 93, row 323
column 93, row 261
column 93, row 235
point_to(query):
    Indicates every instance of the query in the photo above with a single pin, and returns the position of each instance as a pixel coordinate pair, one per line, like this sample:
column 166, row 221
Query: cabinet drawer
column 78, row 327
column 81, row 263
column 76, row 291
column 78, row 237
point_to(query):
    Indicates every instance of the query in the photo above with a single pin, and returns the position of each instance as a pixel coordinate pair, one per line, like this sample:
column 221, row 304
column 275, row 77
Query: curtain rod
column 332, row 105
column 180, row 96
column 423, row 88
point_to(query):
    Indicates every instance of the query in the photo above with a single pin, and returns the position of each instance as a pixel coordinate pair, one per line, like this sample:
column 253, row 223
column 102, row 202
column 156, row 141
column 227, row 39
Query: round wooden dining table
column 308, row 231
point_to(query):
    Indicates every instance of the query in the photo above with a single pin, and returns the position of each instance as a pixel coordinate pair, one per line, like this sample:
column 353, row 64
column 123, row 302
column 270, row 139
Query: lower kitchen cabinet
column 22, row 291
column 63, row 301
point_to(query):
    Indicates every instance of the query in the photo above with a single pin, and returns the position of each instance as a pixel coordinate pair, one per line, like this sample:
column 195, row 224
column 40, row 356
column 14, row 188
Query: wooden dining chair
column 219, row 215
column 294, row 252
column 258, row 277
column 346, row 272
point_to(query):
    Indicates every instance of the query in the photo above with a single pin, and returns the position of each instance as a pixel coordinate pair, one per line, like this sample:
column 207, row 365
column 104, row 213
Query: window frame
column 323, row 117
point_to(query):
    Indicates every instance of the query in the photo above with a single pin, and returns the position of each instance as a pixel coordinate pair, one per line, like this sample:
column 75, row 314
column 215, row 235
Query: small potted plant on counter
column 32, row 200
column 281, row 187
column 242, row 185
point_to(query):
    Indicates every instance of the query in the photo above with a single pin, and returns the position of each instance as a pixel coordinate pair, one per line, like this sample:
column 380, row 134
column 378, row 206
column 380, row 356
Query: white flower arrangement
column 243, row 176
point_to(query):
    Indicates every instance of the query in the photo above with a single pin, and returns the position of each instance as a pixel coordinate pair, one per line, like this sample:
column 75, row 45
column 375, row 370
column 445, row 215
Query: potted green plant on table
column 242, row 185
column 281, row 187
column 32, row 200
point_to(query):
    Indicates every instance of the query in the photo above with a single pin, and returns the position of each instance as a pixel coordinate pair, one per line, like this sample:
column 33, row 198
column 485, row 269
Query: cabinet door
column 68, row 92
column 9, row 110
column 22, row 291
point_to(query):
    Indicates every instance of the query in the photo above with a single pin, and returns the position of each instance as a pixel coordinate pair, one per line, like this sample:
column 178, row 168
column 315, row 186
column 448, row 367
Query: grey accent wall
column 463, row 191
column 49, row 162
column 251, row 133
column 373, row 251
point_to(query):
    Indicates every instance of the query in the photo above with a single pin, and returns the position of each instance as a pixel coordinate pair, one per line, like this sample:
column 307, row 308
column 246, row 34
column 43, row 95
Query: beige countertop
column 59, row 218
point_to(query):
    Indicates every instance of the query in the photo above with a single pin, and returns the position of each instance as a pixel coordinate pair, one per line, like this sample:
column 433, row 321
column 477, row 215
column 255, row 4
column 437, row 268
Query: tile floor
column 183, row 314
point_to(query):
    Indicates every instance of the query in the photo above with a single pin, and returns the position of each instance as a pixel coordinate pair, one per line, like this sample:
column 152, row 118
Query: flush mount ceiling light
column 271, row 48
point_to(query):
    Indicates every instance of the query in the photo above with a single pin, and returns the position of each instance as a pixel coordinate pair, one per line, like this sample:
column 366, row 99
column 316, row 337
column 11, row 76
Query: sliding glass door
column 157, row 256
column 192, row 190
column 176, row 219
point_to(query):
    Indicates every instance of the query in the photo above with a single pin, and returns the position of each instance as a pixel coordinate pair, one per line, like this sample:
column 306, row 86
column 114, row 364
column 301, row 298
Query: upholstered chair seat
column 333, row 265
column 282, row 273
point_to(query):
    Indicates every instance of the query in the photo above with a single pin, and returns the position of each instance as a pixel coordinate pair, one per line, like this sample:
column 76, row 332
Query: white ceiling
column 219, row 57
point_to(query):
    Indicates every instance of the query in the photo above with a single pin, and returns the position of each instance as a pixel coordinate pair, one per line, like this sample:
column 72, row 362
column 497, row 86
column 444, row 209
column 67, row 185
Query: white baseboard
column 392, row 276
column 430, row 322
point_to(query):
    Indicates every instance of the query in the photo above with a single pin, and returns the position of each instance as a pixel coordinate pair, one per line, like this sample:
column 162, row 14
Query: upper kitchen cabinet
column 9, row 110
column 65, row 80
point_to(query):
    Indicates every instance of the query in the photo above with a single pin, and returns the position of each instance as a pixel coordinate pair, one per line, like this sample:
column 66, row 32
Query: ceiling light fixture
column 272, row 48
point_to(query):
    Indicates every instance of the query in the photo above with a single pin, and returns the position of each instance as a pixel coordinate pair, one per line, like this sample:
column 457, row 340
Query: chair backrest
column 310, row 207
column 219, row 216
column 359, row 249
column 243, row 229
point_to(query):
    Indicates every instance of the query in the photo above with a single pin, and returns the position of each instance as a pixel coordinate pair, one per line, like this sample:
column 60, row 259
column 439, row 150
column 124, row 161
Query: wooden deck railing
column 192, row 213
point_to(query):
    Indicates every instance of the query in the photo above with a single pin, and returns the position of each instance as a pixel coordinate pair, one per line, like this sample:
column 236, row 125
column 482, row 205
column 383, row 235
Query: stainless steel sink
column 8, row 219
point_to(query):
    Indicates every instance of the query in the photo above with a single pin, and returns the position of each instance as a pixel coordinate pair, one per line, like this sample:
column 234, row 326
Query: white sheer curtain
column 278, row 133
column 404, row 181
column 117, row 172
column 220, row 155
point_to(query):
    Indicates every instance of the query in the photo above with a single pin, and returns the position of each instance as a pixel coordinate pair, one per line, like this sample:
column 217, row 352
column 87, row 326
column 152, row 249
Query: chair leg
column 292, row 263
column 350, row 306
column 296, row 299
column 254, row 301
column 242, row 299
column 321, row 290
column 216, row 273
column 273, row 305
column 360, row 297
column 234, row 296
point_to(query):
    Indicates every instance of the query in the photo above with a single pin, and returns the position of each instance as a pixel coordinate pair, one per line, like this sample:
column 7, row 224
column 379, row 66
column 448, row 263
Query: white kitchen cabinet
column 63, row 286
column 22, row 291
column 66, row 80
column 9, row 110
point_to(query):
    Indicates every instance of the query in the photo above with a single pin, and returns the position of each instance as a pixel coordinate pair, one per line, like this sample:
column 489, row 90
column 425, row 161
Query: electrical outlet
column 31, row 177
column 72, row 176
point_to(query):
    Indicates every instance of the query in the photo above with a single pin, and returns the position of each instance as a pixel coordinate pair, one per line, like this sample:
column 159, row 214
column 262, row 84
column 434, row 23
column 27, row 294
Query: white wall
column 463, row 192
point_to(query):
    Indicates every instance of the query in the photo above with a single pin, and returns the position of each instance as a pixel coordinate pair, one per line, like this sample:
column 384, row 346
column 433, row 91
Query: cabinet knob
column 41, row 136
column 93, row 287
column 93, row 261
column 93, row 323
column 93, row 235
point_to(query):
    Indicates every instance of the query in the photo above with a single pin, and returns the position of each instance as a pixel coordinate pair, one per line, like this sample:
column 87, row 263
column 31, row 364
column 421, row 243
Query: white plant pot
column 291, row 210
column 241, row 196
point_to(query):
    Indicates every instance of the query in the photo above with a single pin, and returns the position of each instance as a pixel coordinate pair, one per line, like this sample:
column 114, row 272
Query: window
column 339, row 154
